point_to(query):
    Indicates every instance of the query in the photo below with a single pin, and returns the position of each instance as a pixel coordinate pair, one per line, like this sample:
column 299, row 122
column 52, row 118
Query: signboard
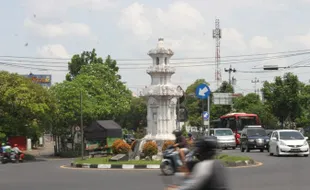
column 206, row 117
column 43, row 80
column 203, row 91
column 222, row 98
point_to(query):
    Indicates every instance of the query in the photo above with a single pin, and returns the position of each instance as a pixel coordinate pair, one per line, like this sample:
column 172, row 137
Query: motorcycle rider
column 181, row 144
column 17, row 151
column 207, row 173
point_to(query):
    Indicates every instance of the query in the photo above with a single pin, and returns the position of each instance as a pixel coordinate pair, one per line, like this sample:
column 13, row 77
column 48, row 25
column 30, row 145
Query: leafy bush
column 69, row 154
column 166, row 144
column 133, row 144
column 150, row 149
column 29, row 157
column 120, row 147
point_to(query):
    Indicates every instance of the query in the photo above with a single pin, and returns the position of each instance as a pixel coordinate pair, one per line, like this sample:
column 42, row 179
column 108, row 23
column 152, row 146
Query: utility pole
column 230, row 70
column 255, row 81
column 82, row 128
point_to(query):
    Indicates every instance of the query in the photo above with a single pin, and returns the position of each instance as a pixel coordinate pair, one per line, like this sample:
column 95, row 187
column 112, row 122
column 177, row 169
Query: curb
column 152, row 166
column 240, row 163
column 115, row 166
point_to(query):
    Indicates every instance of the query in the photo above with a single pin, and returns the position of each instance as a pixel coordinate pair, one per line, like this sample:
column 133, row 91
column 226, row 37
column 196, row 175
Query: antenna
column 217, row 35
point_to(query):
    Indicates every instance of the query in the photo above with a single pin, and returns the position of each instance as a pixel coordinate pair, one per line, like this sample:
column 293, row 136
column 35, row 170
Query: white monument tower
column 161, row 95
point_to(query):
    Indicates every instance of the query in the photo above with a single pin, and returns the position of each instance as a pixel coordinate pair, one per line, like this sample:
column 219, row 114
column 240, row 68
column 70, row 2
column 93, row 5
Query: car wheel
column 306, row 155
column 247, row 148
column 261, row 150
column 234, row 148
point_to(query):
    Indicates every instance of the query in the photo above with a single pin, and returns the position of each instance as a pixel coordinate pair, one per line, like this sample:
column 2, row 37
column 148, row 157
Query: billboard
column 43, row 80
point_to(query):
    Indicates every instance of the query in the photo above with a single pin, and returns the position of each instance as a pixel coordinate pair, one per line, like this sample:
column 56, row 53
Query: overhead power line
column 147, row 59
column 30, row 65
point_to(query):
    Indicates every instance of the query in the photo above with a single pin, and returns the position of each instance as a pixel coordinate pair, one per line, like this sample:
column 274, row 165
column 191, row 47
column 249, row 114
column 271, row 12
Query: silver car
column 225, row 137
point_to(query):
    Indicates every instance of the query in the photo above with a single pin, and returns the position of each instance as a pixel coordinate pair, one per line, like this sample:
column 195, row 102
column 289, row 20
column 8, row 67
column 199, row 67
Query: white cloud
column 185, row 31
column 260, row 42
column 303, row 39
column 58, row 30
column 133, row 19
column 53, row 50
column 57, row 8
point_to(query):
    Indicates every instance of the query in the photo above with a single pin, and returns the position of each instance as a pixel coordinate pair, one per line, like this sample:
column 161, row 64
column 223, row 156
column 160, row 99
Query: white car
column 288, row 142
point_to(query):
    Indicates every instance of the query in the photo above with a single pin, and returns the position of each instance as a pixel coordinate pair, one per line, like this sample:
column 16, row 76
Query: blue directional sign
column 205, row 115
column 203, row 91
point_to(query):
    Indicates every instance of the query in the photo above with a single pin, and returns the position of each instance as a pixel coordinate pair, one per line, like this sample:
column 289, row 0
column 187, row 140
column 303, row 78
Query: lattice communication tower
column 217, row 35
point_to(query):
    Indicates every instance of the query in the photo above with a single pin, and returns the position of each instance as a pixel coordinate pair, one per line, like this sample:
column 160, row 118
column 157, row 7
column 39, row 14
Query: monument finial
column 160, row 39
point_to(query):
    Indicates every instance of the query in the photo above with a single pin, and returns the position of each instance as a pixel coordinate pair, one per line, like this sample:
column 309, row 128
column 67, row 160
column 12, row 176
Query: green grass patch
column 105, row 160
column 230, row 158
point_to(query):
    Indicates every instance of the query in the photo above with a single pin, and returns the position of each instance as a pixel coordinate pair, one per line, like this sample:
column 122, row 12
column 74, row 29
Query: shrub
column 120, row 147
column 133, row 144
column 166, row 144
column 150, row 149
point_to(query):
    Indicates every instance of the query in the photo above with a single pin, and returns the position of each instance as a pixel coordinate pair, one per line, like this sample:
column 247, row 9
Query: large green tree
column 87, row 58
column 193, row 104
column 251, row 103
column 135, row 117
column 26, row 108
column 282, row 96
column 104, row 96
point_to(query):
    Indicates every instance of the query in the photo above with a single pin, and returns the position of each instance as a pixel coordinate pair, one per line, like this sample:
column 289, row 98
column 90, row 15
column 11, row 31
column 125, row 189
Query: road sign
column 203, row 91
column 205, row 116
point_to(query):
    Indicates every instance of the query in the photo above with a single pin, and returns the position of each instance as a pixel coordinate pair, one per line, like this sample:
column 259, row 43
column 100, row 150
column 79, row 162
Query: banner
column 43, row 80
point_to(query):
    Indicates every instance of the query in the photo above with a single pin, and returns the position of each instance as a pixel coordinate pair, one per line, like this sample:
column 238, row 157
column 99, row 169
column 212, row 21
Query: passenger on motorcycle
column 17, row 151
column 207, row 173
column 181, row 144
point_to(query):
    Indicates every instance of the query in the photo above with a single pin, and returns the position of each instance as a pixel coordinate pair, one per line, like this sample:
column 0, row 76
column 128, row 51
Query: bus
column 237, row 121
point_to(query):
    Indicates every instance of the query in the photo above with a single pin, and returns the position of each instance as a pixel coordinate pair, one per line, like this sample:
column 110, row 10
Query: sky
column 127, row 30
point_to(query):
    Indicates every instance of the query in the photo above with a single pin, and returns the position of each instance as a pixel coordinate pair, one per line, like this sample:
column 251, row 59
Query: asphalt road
column 283, row 173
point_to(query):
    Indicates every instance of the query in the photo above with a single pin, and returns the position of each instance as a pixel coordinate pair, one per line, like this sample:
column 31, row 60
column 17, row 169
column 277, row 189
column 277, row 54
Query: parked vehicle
column 288, row 142
column 225, row 137
column 172, row 161
column 254, row 137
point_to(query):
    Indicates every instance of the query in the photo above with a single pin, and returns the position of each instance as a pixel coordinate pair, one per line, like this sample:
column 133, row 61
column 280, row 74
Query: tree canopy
column 25, row 107
column 104, row 95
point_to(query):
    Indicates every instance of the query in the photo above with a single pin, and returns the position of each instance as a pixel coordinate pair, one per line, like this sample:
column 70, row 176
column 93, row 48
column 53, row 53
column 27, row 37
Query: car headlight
column 251, row 140
column 282, row 143
column 305, row 143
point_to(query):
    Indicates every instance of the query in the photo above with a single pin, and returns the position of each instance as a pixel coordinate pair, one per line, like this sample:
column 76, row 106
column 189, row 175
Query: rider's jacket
column 207, row 174
column 16, row 150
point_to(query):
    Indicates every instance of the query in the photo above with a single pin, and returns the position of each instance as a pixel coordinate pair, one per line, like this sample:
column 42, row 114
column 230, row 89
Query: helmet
column 3, row 144
column 190, row 134
column 177, row 133
column 206, row 147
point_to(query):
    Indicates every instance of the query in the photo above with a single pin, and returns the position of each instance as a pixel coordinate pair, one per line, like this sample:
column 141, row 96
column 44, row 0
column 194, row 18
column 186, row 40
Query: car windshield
column 256, row 132
column 291, row 135
column 223, row 132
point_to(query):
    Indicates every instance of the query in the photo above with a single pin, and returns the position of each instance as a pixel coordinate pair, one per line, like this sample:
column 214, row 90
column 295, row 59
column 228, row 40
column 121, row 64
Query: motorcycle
column 172, row 161
column 12, row 157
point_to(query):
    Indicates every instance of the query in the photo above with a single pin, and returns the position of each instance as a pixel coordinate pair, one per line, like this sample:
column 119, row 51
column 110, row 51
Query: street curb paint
column 115, row 166
column 236, row 164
